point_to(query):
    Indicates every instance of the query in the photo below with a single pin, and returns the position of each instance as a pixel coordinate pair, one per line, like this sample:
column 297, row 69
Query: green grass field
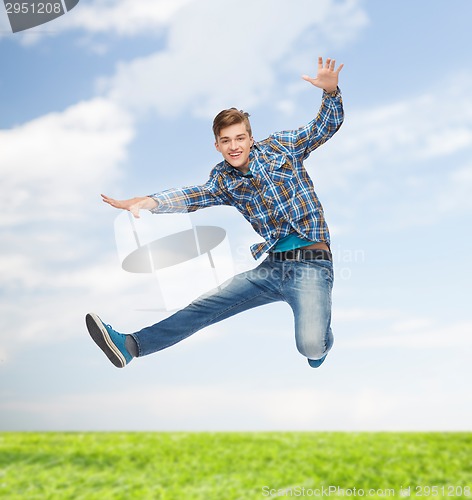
column 225, row 466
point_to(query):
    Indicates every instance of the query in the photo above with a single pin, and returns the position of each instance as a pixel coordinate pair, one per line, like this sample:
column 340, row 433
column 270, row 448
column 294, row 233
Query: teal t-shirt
column 290, row 242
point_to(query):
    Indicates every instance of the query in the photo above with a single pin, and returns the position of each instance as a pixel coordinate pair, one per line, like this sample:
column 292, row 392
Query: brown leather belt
column 301, row 254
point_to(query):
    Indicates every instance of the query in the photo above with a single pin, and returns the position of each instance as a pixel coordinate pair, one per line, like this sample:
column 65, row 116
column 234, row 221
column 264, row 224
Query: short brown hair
column 229, row 117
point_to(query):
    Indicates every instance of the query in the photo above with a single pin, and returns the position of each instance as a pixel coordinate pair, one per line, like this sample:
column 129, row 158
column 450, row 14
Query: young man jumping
column 267, row 182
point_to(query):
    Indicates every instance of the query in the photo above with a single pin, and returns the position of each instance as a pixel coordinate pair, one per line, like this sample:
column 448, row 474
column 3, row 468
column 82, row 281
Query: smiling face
column 234, row 143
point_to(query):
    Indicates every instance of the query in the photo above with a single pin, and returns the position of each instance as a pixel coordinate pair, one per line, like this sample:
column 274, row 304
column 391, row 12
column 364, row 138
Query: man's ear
column 217, row 146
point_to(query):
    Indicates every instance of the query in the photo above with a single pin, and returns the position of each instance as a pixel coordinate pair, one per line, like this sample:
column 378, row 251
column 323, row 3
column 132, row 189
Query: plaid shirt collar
column 234, row 171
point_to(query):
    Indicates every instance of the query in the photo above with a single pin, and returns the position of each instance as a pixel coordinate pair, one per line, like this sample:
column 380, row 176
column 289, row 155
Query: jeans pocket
column 323, row 267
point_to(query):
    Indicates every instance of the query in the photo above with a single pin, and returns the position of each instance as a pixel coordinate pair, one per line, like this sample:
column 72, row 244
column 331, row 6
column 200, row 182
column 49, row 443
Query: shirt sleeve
column 301, row 142
column 190, row 198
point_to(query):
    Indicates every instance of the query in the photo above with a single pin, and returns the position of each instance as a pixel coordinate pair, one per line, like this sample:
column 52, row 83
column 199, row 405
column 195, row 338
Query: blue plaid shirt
column 279, row 198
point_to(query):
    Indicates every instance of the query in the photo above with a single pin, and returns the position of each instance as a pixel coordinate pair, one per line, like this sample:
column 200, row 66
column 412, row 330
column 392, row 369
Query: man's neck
column 243, row 170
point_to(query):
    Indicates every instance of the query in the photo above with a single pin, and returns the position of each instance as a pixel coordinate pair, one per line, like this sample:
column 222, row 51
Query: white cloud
column 123, row 17
column 50, row 164
column 363, row 314
column 384, row 328
column 411, row 325
column 455, row 195
column 19, row 271
column 219, row 56
column 416, row 333
column 403, row 136
column 52, row 168
column 119, row 17
column 404, row 164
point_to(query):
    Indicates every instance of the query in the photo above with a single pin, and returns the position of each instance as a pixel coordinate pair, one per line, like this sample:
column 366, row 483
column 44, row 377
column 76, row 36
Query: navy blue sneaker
column 314, row 363
column 110, row 342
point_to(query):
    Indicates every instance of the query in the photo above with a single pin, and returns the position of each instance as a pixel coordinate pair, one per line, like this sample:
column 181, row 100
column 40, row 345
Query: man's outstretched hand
column 327, row 77
column 133, row 205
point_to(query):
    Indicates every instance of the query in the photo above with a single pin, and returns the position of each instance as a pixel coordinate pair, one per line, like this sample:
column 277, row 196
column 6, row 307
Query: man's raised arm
column 302, row 141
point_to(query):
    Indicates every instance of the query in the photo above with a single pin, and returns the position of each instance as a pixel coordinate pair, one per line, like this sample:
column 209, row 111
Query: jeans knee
column 312, row 350
column 314, row 346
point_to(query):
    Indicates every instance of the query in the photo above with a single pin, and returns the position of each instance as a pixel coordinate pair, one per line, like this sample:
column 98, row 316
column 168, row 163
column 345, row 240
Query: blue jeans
column 305, row 285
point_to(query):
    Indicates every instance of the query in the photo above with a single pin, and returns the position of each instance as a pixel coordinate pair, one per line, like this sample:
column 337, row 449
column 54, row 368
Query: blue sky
column 118, row 97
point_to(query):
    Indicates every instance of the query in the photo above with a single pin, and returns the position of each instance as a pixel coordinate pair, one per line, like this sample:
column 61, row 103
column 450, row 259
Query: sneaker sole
column 101, row 337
